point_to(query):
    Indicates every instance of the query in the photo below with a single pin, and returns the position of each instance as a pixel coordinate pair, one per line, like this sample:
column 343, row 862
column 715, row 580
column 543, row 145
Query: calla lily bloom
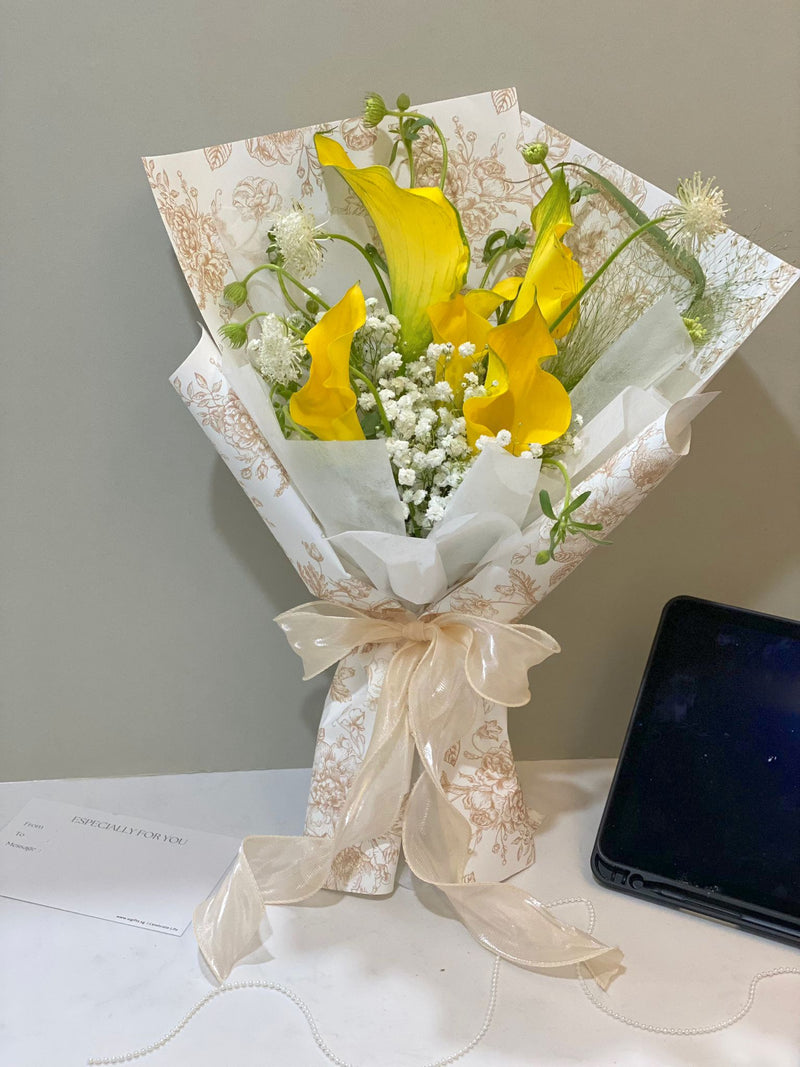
column 522, row 398
column 423, row 242
column 326, row 404
column 553, row 278
column 464, row 320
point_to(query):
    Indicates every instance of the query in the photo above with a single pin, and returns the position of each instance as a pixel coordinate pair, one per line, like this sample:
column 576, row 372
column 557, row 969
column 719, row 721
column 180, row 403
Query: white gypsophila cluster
column 295, row 235
column 699, row 214
column 376, row 338
column 504, row 439
column 428, row 445
column 277, row 354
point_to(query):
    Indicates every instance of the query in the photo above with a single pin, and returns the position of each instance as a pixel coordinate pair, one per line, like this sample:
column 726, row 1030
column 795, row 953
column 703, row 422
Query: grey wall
column 138, row 581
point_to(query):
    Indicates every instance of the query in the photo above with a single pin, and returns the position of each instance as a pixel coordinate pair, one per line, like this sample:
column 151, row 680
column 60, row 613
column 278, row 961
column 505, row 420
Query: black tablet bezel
column 659, row 889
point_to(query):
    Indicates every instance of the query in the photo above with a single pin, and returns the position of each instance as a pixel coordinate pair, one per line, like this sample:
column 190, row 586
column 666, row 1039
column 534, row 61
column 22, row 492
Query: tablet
column 704, row 810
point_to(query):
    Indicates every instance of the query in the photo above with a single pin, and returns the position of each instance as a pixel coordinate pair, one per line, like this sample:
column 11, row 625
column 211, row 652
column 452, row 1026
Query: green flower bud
column 535, row 152
column 542, row 557
column 403, row 102
column 235, row 333
column 697, row 331
column 375, row 110
column 235, row 293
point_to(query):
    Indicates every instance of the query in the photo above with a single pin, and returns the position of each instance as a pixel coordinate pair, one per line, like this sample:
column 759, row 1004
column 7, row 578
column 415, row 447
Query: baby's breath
column 428, row 447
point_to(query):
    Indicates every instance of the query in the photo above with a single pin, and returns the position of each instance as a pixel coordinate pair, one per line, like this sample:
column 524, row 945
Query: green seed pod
column 235, row 333
column 375, row 109
column 535, row 152
column 235, row 293
column 403, row 102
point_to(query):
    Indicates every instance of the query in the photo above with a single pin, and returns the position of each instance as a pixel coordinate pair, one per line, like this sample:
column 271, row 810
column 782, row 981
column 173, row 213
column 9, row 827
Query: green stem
column 290, row 300
column 417, row 115
column 550, row 174
column 373, row 267
column 565, row 476
column 387, row 428
column 407, row 144
column 489, row 266
column 601, row 270
column 283, row 273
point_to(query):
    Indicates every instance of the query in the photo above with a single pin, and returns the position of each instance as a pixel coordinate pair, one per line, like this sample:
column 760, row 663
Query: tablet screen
column 708, row 788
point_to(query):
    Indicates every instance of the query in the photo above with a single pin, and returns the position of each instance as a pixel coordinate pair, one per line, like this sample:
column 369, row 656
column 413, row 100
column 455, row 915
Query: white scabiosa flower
column 699, row 214
column 277, row 354
column 296, row 238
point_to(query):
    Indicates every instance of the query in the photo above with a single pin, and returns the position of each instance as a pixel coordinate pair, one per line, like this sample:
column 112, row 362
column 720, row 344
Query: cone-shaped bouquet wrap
column 407, row 316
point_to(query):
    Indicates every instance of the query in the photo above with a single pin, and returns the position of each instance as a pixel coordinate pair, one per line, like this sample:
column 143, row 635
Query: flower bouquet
column 449, row 350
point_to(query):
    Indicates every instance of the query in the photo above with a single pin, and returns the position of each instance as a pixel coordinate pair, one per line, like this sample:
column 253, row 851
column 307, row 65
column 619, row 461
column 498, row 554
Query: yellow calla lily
column 508, row 288
column 326, row 404
column 459, row 321
column 553, row 277
column 462, row 320
column 522, row 398
column 423, row 242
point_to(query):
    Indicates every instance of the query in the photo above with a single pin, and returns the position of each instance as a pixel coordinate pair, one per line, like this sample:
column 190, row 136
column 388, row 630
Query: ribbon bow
column 444, row 670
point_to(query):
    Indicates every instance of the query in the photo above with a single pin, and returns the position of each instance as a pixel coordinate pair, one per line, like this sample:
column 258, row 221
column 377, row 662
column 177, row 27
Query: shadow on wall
column 252, row 543
column 717, row 529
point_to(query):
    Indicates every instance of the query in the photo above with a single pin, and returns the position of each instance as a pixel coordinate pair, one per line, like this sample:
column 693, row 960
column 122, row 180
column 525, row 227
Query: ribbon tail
column 268, row 870
column 503, row 918
column 511, row 923
column 288, row 870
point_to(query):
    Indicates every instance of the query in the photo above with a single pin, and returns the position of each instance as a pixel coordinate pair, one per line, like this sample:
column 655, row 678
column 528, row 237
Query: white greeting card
column 110, row 866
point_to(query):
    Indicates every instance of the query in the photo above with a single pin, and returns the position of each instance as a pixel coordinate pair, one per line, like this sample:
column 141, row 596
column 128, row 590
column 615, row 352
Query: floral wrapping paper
column 493, row 188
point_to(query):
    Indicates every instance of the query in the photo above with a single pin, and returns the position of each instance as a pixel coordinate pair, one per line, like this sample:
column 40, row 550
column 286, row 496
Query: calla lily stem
column 416, row 115
column 387, row 429
column 373, row 267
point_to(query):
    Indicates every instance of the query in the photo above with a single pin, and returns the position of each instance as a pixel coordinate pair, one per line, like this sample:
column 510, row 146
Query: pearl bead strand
column 319, row 1040
column 581, row 970
column 650, row 1028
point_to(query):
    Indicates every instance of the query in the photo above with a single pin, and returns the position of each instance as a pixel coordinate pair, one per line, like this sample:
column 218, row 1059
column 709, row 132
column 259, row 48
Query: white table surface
column 392, row 982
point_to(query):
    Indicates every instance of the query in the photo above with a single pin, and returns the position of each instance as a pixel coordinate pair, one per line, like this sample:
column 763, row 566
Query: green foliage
column 677, row 258
column 564, row 524
column 501, row 241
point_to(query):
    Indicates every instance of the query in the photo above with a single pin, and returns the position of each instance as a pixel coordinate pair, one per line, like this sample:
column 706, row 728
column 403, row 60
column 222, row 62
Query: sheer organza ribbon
column 445, row 670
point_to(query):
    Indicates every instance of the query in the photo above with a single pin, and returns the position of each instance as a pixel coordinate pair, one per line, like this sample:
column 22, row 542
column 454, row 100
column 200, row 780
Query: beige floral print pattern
column 193, row 233
column 257, row 198
column 491, row 797
column 224, row 413
column 477, row 181
column 218, row 155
